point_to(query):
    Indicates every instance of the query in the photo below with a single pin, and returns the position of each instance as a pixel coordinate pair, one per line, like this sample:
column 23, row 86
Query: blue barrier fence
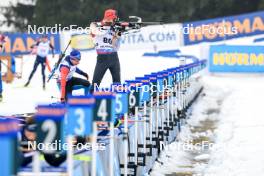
column 259, row 40
column 174, row 54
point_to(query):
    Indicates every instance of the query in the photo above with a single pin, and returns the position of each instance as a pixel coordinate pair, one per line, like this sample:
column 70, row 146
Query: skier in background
column 66, row 81
column 2, row 41
column 43, row 47
column 106, row 44
column 34, row 49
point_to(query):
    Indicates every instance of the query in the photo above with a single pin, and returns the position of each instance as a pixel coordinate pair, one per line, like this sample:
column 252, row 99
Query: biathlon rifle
column 136, row 24
column 58, row 62
column 124, row 27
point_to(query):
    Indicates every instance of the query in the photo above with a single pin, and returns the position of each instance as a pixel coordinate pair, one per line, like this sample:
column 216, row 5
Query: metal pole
column 145, row 126
column 36, row 164
column 136, row 134
column 70, row 155
column 126, row 144
column 94, row 140
column 111, row 163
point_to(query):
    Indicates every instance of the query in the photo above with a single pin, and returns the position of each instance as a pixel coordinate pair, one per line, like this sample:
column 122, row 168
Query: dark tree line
column 82, row 12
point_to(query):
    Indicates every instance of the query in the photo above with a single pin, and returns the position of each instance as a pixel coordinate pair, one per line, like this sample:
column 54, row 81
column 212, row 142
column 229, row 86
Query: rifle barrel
column 147, row 22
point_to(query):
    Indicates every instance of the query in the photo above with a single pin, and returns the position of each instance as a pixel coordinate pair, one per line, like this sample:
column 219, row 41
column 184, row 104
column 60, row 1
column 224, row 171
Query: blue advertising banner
column 20, row 43
column 223, row 28
column 225, row 58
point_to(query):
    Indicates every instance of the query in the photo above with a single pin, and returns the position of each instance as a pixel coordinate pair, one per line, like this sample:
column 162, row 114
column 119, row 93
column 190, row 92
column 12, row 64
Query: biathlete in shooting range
column 66, row 69
column 2, row 41
column 43, row 47
column 106, row 36
column 106, row 41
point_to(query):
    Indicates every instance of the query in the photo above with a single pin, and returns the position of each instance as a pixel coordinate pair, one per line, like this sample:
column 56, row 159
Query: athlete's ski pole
column 58, row 62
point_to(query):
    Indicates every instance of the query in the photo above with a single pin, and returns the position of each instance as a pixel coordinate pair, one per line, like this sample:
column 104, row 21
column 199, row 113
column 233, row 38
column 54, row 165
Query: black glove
column 63, row 100
column 119, row 33
column 86, row 76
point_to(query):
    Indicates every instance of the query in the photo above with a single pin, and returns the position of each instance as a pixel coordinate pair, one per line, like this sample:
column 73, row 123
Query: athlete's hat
column 76, row 54
column 110, row 14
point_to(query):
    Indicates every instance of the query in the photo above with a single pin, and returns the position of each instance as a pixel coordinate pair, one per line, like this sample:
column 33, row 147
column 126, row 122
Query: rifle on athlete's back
column 58, row 62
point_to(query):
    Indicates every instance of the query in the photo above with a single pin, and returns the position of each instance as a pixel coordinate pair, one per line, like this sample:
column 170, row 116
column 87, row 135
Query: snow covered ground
column 227, row 120
column 240, row 129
